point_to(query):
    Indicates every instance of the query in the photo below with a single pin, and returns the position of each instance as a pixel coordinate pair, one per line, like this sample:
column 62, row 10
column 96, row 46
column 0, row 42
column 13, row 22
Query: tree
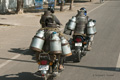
column 71, row 4
column 55, row 3
column 61, row 5
column 19, row 9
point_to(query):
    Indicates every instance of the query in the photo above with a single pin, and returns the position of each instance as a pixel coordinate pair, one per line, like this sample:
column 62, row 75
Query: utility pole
column 71, row 4
column 55, row 3
column 61, row 5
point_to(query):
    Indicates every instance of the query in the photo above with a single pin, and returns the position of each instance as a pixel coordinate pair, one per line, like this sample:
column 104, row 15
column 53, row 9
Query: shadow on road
column 97, row 68
column 23, row 52
column 20, row 76
column 3, row 18
column 17, row 60
column 7, row 13
column 81, row 1
column 69, row 59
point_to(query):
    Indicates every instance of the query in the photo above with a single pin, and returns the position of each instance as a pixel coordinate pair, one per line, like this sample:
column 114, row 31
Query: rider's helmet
column 85, row 11
column 51, row 9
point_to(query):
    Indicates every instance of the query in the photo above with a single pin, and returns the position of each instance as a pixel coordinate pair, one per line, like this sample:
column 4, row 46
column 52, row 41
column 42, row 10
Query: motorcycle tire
column 77, row 57
column 45, row 78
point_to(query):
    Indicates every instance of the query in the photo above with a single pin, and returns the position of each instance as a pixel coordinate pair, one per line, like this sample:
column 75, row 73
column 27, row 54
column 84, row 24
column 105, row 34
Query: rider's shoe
column 89, row 48
column 61, row 67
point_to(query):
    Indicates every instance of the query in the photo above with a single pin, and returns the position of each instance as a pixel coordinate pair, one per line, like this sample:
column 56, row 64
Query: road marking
column 97, row 7
column 118, row 63
column 8, row 61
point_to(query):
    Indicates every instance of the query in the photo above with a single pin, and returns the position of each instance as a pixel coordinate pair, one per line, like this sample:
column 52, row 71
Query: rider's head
column 85, row 11
column 51, row 9
column 47, row 12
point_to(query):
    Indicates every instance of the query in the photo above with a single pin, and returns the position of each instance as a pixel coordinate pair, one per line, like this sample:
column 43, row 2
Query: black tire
column 77, row 57
column 83, row 53
column 45, row 78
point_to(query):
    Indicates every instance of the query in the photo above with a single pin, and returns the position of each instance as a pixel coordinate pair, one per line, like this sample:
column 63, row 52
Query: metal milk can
column 38, row 41
column 72, row 23
column 66, row 30
column 94, row 26
column 91, row 27
column 55, row 43
column 65, row 47
column 80, row 23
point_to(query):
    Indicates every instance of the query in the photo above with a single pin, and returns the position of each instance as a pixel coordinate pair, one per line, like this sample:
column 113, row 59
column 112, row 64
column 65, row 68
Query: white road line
column 15, row 57
column 98, row 7
column 118, row 63
column 8, row 61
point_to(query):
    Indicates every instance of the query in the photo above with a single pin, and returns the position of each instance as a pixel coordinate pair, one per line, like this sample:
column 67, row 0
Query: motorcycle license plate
column 44, row 67
column 78, row 44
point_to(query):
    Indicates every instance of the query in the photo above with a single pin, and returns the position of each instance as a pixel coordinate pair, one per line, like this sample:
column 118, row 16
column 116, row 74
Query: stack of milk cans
column 71, row 26
column 57, row 44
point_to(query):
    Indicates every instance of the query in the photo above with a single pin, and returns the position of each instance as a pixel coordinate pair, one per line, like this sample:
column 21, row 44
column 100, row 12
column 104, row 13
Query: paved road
column 17, row 63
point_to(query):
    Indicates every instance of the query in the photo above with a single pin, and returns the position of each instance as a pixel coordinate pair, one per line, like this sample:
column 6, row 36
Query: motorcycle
column 57, row 47
column 48, row 65
column 79, row 47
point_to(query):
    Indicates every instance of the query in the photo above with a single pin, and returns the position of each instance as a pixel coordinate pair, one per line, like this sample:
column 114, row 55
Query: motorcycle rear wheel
column 77, row 57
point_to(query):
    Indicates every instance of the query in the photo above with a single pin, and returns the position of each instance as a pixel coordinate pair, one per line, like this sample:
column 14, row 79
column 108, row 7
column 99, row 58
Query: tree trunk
column 61, row 5
column 55, row 3
column 19, row 9
column 71, row 4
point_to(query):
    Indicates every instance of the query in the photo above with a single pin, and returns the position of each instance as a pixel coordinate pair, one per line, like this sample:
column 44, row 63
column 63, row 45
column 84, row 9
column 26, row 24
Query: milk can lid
column 54, row 32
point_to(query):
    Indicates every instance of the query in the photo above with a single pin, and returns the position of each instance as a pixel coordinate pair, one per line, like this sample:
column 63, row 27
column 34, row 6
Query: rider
column 81, row 26
column 49, row 13
column 51, row 23
column 90, row 36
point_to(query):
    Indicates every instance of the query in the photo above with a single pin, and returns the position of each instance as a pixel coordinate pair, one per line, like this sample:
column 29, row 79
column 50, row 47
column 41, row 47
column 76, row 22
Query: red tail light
column 42, row 74
column 43, row 62
column 78, row 39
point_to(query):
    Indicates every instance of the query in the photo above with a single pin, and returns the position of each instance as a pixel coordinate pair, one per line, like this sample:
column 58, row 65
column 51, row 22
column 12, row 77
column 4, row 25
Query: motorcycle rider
column 50, row 23
column 89, row 36
column 81, row 26
column 48, row 13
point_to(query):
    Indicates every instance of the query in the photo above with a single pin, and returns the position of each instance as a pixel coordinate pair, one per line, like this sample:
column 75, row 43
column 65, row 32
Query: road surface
column 101, row 63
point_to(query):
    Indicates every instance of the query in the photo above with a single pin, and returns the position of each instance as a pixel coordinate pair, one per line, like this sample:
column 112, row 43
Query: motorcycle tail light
column 78, row 40
column 39, row 63
column 42, row 74
column 84, row 42
column 51, row 63
column 43, row 62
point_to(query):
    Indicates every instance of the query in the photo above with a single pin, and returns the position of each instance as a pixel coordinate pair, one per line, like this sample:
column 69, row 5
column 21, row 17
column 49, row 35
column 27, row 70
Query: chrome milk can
column 66, row 51
column 72, row 23
column 38, row 41
column 80, row 23
column 66, row 30
column 55, row 43
column 94, row 26
column 91, row 27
